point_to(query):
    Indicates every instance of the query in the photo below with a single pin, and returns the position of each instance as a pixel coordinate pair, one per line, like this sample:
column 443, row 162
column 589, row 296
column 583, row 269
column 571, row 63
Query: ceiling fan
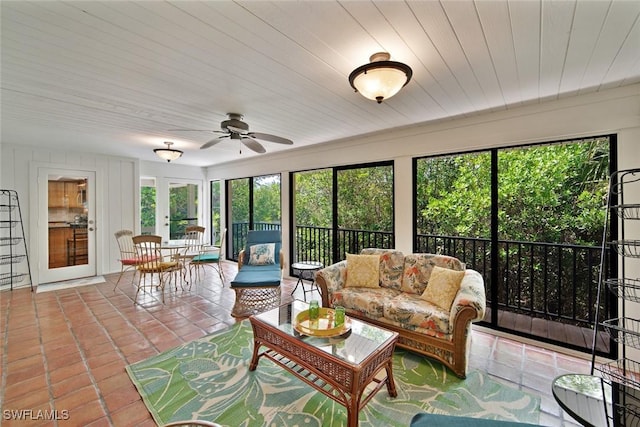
column 234, row 128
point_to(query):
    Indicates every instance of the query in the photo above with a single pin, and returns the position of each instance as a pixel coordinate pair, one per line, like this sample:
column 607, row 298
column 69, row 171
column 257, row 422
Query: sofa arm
column 471, row 294
column 330, row 279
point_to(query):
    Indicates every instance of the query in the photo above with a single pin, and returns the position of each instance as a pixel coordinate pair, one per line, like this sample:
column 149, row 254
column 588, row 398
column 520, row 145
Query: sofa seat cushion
column 367, row 302
column 258, row 276
column 412, row 312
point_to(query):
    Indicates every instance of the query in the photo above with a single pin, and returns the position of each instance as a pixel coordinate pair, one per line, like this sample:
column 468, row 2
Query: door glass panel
column 183, row 208
column 67, row 219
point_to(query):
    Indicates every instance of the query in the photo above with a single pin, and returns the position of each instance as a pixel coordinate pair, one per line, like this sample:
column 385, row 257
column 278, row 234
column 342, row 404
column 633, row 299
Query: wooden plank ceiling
column 112, row 77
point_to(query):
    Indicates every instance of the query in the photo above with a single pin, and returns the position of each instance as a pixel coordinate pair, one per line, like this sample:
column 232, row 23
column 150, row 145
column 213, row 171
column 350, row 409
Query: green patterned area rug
column 210, row 379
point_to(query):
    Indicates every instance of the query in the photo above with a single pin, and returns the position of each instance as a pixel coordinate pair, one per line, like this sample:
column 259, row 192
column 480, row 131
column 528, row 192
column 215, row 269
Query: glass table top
column 352, row 347
column 595, row 402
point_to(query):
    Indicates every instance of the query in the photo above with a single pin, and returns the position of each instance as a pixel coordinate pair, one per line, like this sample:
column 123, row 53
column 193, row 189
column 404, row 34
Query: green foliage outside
column 239, row 197
column 216, row 203
column 148, row 209
column 365, row 198
column 550, row 217
column 266, row 199
column 550, row 193
column 313, row 198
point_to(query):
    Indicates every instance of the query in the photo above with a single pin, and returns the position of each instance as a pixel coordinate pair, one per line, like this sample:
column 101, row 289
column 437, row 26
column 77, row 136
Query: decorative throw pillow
column 443, row 287
column 363, row 271
column 262, row 254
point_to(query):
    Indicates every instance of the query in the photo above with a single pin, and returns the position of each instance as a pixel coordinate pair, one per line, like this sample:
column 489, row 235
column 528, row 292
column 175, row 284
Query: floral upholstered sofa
column 430, row 300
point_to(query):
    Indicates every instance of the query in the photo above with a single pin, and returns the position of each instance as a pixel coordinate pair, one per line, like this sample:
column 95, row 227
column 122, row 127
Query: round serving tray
column 323, row 327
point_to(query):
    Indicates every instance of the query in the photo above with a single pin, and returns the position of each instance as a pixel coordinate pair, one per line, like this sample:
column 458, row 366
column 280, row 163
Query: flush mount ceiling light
column 380, row 79
column 168, row 153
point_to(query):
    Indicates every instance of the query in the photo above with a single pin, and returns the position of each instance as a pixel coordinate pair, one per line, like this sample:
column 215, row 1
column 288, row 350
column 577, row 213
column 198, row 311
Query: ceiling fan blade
column 212, row 142
column 253, row 145
column 191, row 130
column 270, row 138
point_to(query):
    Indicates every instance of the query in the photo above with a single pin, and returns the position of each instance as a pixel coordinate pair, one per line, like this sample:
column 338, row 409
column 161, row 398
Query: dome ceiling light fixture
column 380, row 79
column 168, row 153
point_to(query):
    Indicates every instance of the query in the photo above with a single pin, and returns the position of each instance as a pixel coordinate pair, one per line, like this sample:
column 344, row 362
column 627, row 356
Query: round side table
column 306, row 270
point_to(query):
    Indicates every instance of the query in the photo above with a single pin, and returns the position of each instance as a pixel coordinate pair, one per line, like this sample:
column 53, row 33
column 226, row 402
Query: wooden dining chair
column 128, row 259
column 149, row 248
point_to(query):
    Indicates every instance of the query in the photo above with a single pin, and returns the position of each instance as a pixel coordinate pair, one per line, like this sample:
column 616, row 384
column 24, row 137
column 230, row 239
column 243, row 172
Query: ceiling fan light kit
column 168, row 153
column 381, row 78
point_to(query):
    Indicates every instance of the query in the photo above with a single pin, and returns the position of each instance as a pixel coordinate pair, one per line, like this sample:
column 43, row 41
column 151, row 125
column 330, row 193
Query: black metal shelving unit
column 623, row 374
column 14, row 257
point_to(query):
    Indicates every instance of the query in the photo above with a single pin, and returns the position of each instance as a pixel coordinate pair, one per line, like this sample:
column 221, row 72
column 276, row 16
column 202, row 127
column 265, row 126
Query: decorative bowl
column 322, row 327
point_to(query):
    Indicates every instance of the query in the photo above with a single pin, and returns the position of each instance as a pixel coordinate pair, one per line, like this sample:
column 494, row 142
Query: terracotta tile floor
column 66, row 350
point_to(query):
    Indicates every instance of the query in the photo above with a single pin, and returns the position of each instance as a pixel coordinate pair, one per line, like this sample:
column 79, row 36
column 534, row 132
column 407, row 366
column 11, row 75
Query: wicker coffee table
column 342, row 368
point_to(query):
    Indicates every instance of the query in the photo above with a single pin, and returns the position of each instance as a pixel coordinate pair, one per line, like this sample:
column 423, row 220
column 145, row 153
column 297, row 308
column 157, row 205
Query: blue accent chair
column 437, row 420
column 257, row 287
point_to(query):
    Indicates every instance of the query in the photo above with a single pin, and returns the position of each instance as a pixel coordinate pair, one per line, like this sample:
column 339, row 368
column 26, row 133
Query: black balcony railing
column 555, row 282
column 542, row 280
column 315, row 243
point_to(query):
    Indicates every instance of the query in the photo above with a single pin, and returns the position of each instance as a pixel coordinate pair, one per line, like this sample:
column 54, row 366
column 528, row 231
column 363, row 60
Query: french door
column 66, row 224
